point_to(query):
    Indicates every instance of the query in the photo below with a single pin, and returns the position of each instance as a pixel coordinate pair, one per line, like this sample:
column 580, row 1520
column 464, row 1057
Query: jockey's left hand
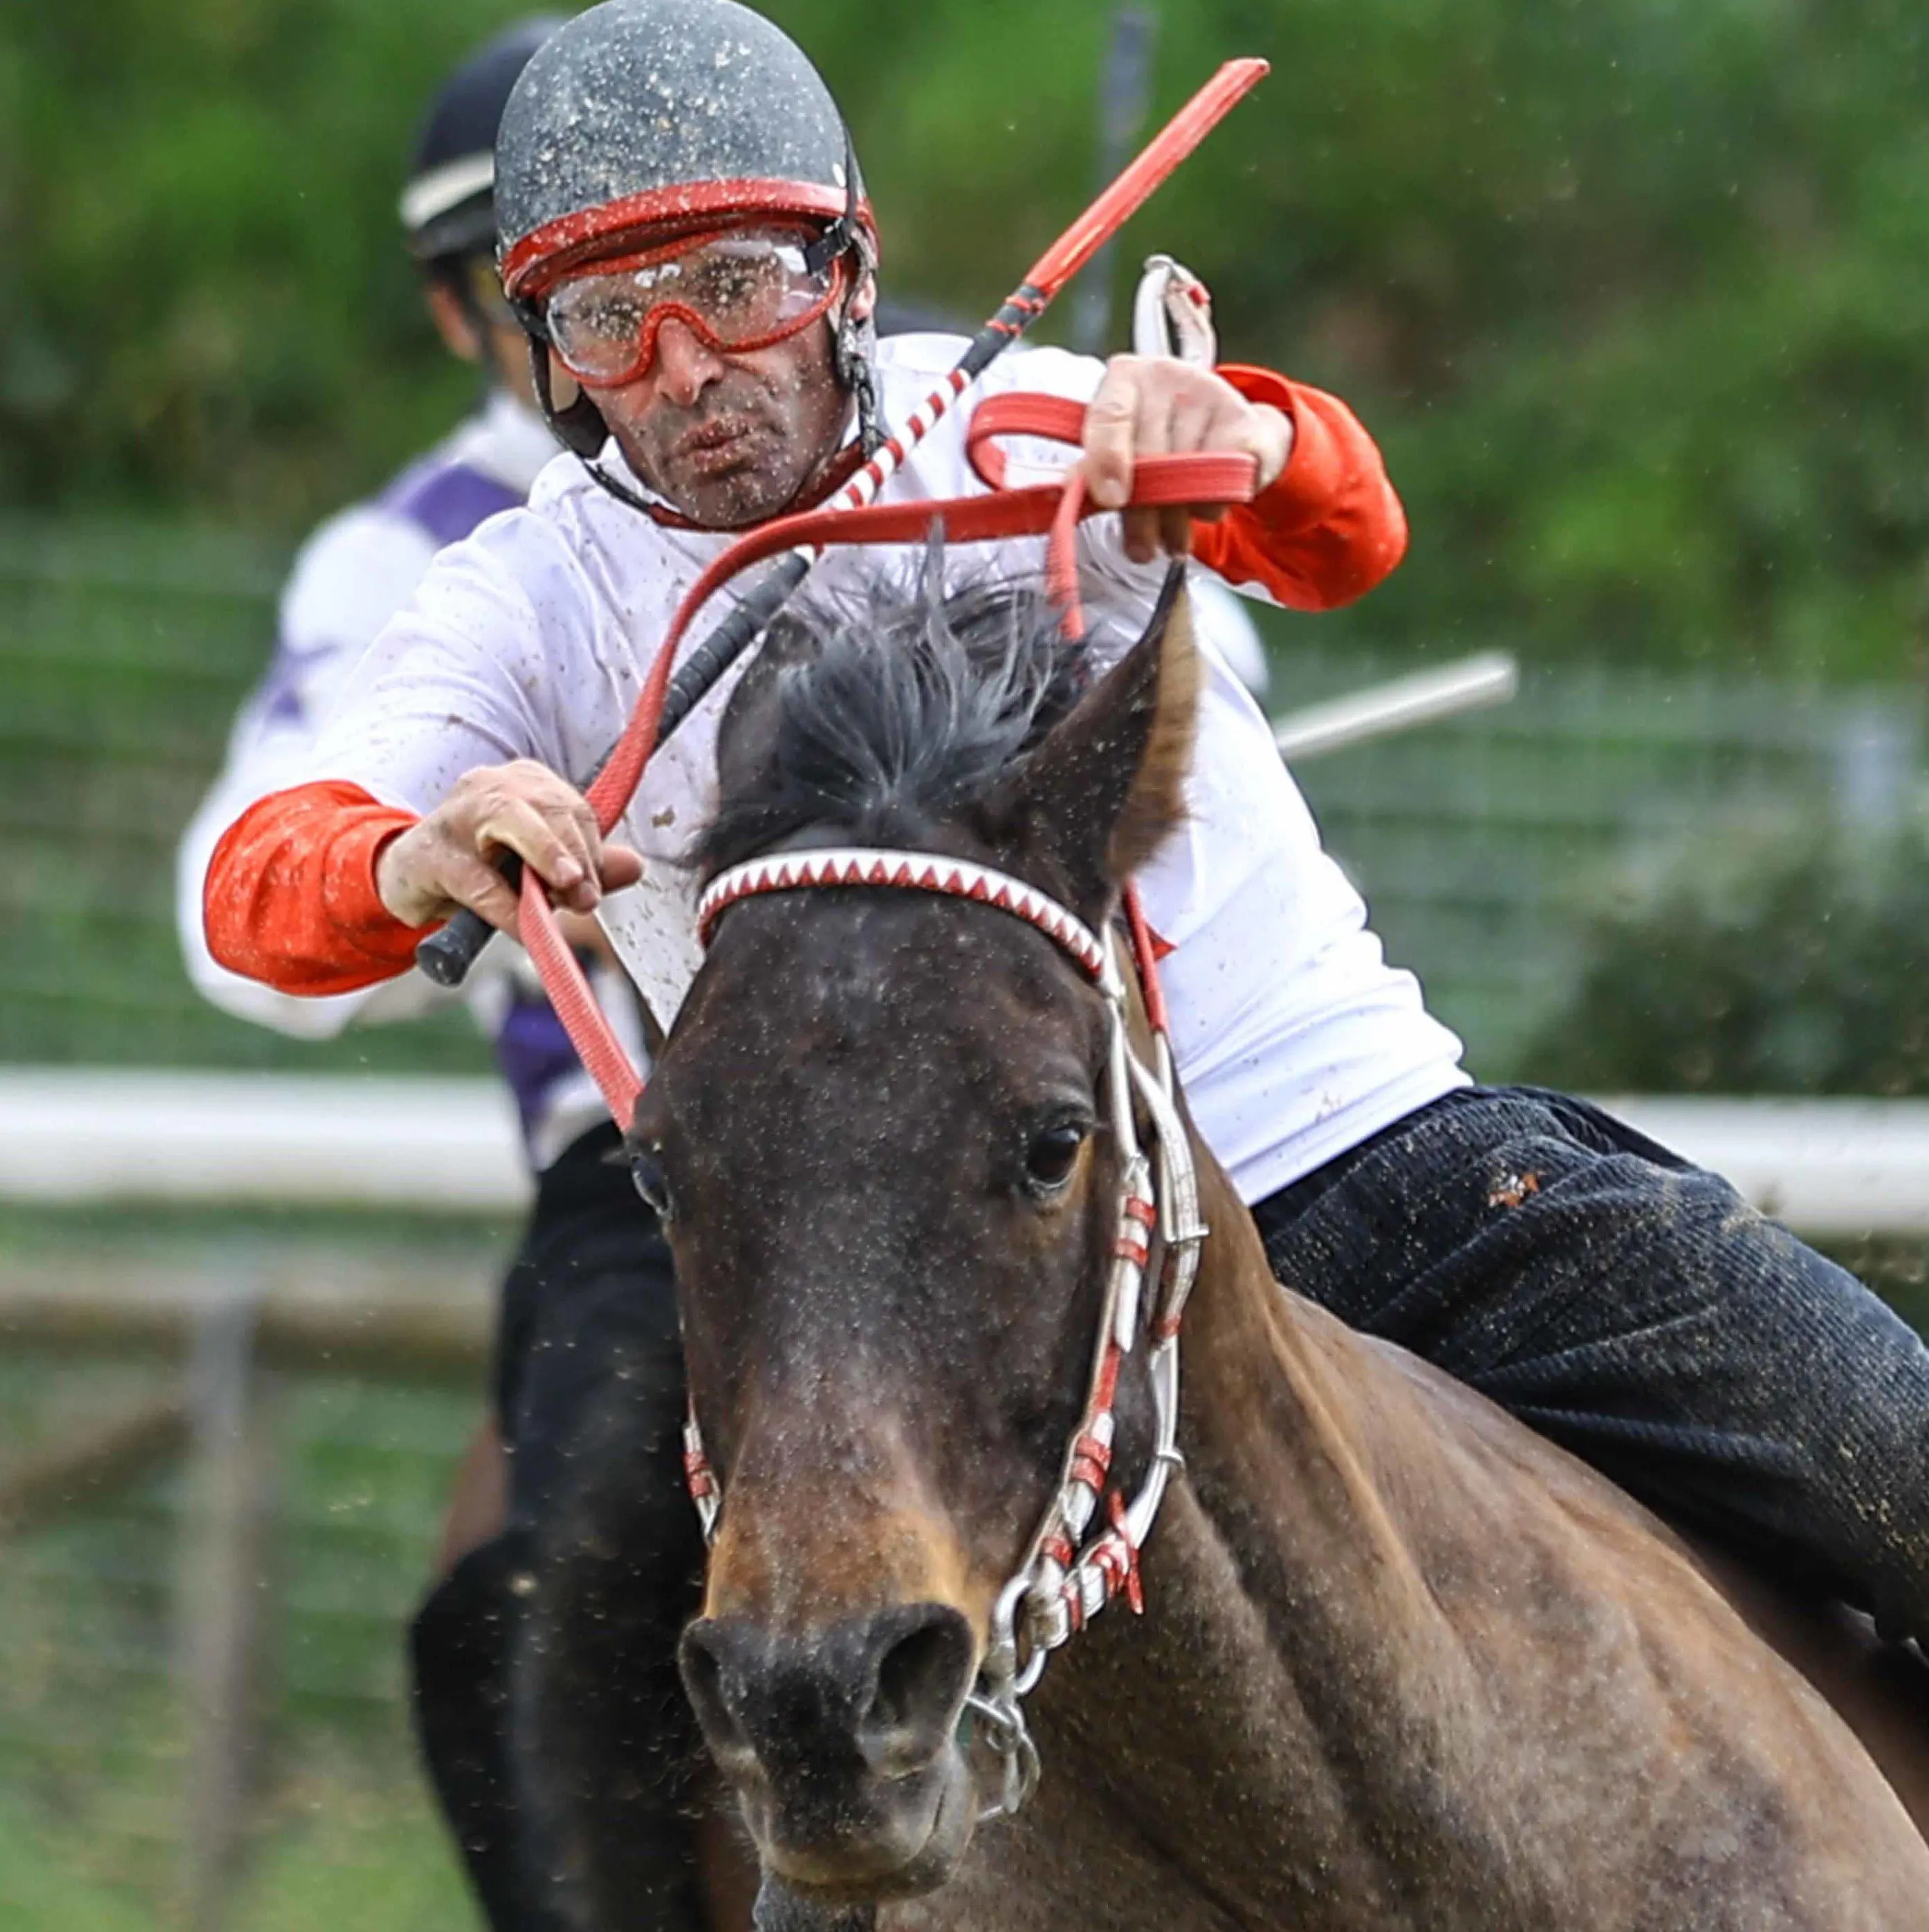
column 1156, row 406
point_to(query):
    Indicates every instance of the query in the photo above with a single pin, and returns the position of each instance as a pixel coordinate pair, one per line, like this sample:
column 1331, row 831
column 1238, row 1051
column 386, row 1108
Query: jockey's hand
column 1156, row 406
column 447, row 859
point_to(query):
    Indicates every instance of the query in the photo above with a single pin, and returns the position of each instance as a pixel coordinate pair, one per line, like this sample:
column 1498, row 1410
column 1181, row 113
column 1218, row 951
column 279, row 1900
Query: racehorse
column 1402, row 1663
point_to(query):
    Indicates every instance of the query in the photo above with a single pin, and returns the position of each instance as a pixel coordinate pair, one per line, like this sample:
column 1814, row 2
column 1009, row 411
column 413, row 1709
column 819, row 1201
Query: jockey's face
column 730, row 437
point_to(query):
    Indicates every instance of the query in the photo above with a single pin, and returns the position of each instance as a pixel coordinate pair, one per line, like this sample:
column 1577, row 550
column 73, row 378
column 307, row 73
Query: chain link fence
column 125, row 650
column 1477, row 840
column 123, row 654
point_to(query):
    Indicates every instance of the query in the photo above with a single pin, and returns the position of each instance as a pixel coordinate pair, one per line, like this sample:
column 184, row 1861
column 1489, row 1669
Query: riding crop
column 446, row 956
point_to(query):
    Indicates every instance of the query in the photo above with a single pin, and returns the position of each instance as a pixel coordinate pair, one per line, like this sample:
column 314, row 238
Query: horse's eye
column 1051, row 1155
column 646, row 1169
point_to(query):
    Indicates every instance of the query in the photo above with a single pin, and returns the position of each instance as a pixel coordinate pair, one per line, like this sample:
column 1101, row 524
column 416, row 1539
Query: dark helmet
column 643, row 115
column 448, row 207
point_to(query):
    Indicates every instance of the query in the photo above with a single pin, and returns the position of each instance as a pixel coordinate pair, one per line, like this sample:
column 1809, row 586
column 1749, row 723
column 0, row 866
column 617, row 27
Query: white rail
column 70, row 1134
column 1829, row 1168
column 1470, row 684
column 1839, row 1168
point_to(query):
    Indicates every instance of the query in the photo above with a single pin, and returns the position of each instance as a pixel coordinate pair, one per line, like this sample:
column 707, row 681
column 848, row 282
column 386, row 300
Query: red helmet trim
column 544, row 254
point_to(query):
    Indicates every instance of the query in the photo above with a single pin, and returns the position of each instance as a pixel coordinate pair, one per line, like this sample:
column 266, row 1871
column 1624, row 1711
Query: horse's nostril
column 703, row 1673
column 923, row 1671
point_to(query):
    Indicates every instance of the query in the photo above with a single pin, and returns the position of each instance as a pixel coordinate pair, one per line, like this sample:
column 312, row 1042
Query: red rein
column 1058, row 508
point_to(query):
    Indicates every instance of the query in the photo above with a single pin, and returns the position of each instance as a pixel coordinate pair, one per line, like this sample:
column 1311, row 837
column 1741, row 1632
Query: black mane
column 882, row 714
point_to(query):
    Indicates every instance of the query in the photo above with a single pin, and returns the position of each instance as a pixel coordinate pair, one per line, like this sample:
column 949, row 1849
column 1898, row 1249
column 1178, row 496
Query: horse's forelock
column 884, row 710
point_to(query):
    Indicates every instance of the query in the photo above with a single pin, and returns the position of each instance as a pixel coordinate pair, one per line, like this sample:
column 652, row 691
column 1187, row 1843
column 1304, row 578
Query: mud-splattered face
column 729, row 437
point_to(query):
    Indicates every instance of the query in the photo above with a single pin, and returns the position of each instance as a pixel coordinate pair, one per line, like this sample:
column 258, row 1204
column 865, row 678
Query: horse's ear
column 746, row 729
column 1097, row 797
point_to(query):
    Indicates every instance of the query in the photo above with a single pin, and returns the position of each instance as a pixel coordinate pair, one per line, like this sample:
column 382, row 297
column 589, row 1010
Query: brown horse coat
column 1404, row 1664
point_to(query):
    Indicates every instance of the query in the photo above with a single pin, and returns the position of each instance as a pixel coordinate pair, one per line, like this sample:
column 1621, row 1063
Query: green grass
column 351, row 1843
column 93, row 1736
column 347, row 1849
column 45, row 1886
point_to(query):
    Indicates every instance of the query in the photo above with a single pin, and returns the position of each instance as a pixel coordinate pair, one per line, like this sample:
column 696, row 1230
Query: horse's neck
column 1403, row 1665
column 1280, row 1406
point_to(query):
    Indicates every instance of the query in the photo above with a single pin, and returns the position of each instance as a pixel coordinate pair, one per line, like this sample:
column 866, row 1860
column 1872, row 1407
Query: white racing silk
column 532, row 639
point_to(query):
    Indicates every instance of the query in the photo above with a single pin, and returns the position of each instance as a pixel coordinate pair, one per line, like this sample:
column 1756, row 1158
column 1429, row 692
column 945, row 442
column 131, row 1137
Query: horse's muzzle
column 842, row 1743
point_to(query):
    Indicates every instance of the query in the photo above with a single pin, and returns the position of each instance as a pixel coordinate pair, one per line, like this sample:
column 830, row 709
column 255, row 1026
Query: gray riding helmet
column 640, row 119
column 640, row 116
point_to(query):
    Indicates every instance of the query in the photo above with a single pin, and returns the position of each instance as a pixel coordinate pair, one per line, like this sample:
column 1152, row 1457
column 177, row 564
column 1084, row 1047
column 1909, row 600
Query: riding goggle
column 735, row 292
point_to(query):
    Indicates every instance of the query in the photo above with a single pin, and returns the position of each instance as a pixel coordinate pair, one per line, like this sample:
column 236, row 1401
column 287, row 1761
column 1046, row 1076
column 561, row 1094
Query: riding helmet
column 448, row 206
column 643, row 116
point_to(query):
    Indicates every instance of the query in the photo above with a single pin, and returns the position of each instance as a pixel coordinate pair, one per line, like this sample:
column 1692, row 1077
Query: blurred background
column 1635, row 295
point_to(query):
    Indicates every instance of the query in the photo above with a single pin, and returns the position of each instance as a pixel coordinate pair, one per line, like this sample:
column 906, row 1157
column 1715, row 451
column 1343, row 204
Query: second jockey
column 351, row 576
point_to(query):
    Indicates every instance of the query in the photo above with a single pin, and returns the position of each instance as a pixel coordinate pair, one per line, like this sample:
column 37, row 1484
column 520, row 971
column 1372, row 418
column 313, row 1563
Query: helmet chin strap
column 580, row 428
column 853, row 338
column 853, row 357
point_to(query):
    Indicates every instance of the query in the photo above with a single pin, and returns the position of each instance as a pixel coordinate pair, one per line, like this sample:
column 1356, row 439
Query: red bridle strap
column 1171, row 481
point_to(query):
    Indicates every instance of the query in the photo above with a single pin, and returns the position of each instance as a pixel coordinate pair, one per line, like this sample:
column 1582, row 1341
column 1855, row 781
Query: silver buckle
column 1001, row 1724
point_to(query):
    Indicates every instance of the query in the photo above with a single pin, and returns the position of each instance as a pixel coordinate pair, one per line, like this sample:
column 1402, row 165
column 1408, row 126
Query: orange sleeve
column 290, row 897
column 1328, row 527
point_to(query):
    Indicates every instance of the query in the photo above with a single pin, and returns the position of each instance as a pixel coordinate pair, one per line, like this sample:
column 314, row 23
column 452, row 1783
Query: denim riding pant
column 1635, row 1309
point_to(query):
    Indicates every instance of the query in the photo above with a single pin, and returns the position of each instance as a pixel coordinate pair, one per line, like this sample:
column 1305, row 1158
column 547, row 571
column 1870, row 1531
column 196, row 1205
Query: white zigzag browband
column 921, row 872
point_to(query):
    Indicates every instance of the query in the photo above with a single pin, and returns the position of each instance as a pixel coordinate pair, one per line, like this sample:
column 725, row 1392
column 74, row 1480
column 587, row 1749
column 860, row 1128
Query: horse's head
column 880, row 1129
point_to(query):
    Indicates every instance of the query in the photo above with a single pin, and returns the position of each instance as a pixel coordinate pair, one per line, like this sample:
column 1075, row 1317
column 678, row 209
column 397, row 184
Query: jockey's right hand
column 448, row 860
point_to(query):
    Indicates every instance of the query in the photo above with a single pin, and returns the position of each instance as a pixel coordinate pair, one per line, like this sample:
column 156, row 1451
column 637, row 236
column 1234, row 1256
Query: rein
column 1076, row 1562
column 1056, row 508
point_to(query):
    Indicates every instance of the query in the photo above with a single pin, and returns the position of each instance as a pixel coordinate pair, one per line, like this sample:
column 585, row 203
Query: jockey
column 684, row 232
column 350, row 578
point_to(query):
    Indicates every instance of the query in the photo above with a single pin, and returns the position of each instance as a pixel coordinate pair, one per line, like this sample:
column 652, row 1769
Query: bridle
column 1075, row 1562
